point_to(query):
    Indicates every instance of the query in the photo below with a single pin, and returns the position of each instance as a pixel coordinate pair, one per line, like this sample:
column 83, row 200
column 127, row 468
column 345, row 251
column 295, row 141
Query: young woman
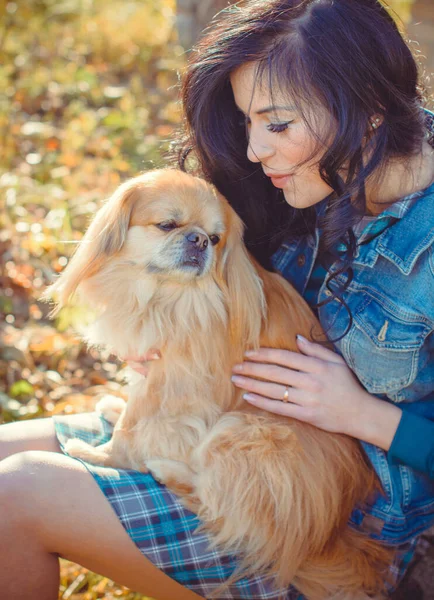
column 308, row 117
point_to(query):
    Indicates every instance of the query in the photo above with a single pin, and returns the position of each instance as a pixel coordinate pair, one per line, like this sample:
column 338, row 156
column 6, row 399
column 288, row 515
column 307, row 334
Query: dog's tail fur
column 355, row 563
column 260, row 479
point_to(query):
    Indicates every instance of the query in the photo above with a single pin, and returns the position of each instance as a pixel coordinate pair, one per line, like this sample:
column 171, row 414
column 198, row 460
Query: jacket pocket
column 285, row 255
column 386, row 341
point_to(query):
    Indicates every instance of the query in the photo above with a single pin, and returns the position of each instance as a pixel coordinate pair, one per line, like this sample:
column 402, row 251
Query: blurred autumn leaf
column 88, row 100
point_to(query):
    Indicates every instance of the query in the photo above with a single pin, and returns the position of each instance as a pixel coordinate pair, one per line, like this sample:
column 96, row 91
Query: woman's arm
column 377, row 423
column 328, row 395
column 322, row 390
column 408, row 438
column 413, row 443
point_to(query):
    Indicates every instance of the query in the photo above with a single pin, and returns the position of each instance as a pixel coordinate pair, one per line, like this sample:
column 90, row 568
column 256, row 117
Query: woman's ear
column 105, row 237
column 244, row 288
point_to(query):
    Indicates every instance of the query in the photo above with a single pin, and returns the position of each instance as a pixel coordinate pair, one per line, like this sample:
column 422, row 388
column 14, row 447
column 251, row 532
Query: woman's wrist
column 376, row 422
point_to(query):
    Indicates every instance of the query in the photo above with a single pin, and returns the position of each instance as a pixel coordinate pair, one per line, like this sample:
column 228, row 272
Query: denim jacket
column 390, row 345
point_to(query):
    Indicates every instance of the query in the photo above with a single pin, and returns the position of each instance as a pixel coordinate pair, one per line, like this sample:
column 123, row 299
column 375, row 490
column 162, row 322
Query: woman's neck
column 401, row 179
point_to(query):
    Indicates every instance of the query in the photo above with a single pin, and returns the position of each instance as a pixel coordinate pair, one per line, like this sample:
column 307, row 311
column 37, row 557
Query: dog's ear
column 244, row 288
column 105, row 237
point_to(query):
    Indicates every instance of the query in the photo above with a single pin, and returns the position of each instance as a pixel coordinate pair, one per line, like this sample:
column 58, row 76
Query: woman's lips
column 279, row 181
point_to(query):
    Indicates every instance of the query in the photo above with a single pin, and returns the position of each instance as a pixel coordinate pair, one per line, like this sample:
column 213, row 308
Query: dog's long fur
column 276, row 490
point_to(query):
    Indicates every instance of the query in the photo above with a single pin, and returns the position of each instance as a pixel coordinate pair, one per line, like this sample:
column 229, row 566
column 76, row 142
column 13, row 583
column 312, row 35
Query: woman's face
column 279, row 139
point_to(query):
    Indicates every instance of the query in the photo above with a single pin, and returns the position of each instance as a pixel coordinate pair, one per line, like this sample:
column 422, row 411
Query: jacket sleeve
column 413, row 443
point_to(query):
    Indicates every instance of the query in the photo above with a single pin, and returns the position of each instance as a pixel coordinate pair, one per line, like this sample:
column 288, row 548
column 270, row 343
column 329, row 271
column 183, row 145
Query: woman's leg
column 28, row 435
column 54, row 507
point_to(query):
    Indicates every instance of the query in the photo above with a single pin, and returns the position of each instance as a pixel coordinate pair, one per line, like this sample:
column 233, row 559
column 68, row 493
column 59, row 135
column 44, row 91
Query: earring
column 375, row 123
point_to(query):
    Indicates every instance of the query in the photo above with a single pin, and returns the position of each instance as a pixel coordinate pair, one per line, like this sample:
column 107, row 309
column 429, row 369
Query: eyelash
column 278, row 127
column 167, row 225
column 273, row 127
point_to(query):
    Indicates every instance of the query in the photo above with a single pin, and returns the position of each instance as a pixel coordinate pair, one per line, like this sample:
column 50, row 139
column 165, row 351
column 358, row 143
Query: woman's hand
column 141, row 363
column 321, row 390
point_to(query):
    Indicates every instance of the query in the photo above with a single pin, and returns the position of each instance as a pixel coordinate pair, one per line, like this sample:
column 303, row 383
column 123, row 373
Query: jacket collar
column 404, row 241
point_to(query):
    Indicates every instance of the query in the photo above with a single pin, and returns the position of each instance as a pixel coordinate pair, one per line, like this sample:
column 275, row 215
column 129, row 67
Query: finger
column 152, row 354
column 267, row 389
column 286, row 409
column 139, row 367
column 284, row 358
column 318, row 350
column 273, row 373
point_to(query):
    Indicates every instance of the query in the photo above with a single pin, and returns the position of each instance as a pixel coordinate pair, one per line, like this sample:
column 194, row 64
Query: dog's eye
column 167, row 225
column 214, row 239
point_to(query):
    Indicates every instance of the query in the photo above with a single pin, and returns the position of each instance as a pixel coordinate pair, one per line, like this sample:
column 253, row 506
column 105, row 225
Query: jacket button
column 301, row 260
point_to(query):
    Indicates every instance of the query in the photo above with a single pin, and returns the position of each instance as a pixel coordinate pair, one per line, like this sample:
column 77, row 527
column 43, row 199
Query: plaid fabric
column 165, row 532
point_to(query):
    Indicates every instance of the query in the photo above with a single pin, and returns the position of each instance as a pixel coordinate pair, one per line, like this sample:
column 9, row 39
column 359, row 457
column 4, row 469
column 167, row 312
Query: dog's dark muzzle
column 195, row 250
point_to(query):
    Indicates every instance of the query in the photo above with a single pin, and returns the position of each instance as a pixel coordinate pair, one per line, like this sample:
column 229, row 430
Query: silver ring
column 286, row 394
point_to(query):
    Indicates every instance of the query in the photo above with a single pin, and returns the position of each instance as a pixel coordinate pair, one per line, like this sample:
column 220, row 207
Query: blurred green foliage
column 88, row 99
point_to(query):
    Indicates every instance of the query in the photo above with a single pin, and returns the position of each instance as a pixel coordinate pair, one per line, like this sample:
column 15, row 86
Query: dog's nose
column 200, row 240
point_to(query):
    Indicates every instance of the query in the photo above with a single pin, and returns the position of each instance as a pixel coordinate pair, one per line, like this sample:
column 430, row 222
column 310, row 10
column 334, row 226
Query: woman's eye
column 167, row 225
column 278, row 127
column 214, row 239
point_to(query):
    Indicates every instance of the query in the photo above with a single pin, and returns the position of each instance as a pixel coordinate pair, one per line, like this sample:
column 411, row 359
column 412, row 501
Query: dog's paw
column 95, row 455
column 157, row 468
column 174, row 474
column 110, row 407
column 78, row 448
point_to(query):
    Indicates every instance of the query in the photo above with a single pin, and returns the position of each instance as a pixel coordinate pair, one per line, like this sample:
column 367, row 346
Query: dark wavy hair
column 346, row 55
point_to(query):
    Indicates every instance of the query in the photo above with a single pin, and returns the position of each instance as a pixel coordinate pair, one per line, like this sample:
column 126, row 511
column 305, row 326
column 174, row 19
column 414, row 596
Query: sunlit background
column 88, row 99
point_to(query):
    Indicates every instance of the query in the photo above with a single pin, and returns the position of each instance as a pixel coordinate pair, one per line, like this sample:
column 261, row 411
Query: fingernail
column 236, row 379
column 237, row 367
column 250, row 353
column 300, row 338
column 249, row 398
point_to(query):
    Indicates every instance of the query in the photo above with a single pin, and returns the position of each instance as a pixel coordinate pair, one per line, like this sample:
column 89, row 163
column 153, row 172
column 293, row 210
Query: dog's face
column 163, row 236
column 178, row 226
column 163, row 226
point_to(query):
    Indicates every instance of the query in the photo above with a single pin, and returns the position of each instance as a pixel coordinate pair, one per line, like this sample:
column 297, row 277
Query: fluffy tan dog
column 164, row 265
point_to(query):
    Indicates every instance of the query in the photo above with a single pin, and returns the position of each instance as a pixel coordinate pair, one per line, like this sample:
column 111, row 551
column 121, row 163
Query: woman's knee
column 56, row 500
column 15, row 498
column 21, row 436
column 20, row 483
column 55, row 496
column 28, row 489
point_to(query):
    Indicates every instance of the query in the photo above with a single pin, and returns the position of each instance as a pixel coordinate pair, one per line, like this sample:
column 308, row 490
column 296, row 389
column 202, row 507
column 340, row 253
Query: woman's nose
column 258, row 150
